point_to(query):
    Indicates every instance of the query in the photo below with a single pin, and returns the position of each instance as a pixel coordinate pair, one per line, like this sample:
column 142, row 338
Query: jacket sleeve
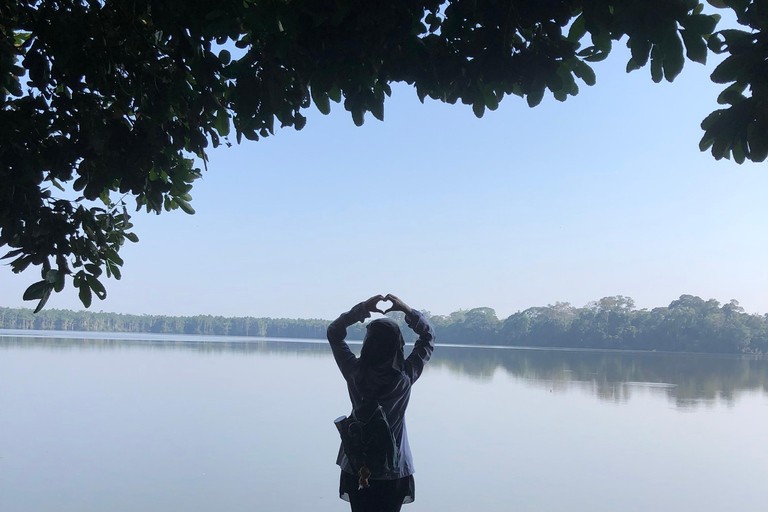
column 337, row 332
column 424, row 346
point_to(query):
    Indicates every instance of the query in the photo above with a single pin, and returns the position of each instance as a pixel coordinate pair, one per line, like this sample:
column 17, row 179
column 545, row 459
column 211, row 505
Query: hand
column 372, row 304
column 397, row 305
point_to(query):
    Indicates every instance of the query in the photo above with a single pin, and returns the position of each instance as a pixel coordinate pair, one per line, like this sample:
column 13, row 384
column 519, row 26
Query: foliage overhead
column 112, row 99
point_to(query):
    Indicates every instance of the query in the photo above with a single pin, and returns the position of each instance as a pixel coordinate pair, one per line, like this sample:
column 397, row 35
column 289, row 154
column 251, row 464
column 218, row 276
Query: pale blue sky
column 604, row 194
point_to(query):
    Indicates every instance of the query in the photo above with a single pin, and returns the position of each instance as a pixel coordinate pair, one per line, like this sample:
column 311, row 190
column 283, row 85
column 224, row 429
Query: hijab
column 382, row 358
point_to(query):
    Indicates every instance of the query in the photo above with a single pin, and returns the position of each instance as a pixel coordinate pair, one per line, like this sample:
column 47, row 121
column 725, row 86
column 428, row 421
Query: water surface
column 204, row 424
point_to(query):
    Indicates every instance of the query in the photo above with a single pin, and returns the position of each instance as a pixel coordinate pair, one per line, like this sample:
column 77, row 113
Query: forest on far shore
column 688, row 324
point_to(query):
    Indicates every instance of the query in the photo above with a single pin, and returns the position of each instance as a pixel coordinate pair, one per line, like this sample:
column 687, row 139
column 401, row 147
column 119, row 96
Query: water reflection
column 687, row 380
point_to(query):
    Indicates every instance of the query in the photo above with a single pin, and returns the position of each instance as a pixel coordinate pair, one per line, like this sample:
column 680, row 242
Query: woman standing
column 381, row 373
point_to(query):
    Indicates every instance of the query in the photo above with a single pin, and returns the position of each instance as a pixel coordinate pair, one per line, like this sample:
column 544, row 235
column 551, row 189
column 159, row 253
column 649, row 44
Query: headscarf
column 382, row 356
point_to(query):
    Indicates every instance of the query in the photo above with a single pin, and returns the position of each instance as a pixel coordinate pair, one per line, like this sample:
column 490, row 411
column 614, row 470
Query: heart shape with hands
column 389, row 301
column 385, row 305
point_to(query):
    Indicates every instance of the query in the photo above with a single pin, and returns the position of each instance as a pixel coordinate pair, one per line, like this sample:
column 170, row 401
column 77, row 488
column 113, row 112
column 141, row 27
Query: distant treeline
column 688, row 324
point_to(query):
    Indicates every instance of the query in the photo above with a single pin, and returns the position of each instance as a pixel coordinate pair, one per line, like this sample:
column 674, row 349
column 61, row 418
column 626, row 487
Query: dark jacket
column 382, row 374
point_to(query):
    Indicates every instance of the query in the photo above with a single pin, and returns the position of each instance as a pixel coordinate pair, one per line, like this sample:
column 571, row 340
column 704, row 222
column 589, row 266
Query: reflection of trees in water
column 688, row 380
column 256, row 347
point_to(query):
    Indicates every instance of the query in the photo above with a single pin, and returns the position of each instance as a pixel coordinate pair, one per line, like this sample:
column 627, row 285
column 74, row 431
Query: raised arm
column 424, row 346
column 337, row 332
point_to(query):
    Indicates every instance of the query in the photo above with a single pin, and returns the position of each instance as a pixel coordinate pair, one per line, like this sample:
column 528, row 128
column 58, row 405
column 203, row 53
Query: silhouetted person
column 381, row 373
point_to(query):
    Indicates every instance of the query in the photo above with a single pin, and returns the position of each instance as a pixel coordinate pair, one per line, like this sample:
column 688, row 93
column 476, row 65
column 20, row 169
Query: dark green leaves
column 88, row 284
column 36, row 291
column 222, row 122
column 578, row 29
column 695, row 46
column 96, row 286
column 478, row 108
column 673, row 57
column 85, row 293
column 657, row 72
column 118, row 98
column 740, row 130
column 322, row 101
column 358, row 117
column 40, row 291
column 585, row 72
column 184, row 205
column 534, row 97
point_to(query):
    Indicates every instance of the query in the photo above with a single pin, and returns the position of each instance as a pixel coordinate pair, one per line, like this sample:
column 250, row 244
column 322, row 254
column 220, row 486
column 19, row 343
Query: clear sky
column 604, row 194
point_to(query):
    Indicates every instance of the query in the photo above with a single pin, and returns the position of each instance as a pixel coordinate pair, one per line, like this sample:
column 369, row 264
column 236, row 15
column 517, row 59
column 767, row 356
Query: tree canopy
column 103, row 99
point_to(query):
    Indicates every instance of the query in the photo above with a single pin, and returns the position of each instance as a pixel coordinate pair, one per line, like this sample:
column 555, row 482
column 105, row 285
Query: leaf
column 673, row 57
column 299, row 121
column 758, row 145
column 715, row 43
column 640, row 49
column 335, row 94
column 720, row 147
column 13, row 253
column 21, row 263
column 225, row 57
column 738, row 153
column 701, row 24
column 554, row 82
column 114, row 257
column 132, row 237
column 597, row 56
column 185, row 206
column 738, row 37
column 96, row 286
column 52, row 276
column 377, row 109
column 85, row 294
column 321, row 101
column 15, row 88
column 656, row 70
column 93, row 269
column 221, row 122
column 59, row 284
column 112, row 269
column 577, row 30
column 585, row 72
column 36, row 290
column 730, row 70
column 706, row 142
column 358, row 116
column 491, row 101
column 56, row 184
column 711, row 119
column 478, row 108
column 535, row 97
column 43, row 299
column 730, row 97
column 695, row 46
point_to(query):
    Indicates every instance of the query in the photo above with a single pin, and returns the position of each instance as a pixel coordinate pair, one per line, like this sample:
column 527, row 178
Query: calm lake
column 213, row 424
